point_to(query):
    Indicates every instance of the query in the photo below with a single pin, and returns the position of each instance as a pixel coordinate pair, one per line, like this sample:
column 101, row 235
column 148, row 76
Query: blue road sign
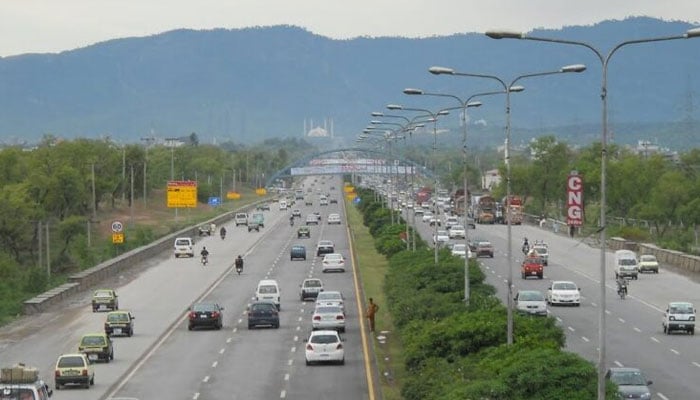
column 214, row 201
column 357, row 200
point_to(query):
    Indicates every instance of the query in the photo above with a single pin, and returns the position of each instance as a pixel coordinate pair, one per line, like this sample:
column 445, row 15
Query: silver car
column 328, row 317
column 531, row 302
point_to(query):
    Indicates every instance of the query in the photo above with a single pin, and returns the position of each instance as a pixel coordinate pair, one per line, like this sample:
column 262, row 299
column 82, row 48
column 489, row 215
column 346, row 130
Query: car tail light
column 193, row 315
column 339, row 346
column 84, row 372
column 317, row 317
column 340, row 317
column 342, row 262
column 215, row 314
column 57, row 373
column 309, row 347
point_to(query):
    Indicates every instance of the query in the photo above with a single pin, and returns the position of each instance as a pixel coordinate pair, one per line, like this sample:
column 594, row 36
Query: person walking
column 372, row 309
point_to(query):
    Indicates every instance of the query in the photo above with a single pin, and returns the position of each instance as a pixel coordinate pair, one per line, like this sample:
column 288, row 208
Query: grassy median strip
column 373, row 267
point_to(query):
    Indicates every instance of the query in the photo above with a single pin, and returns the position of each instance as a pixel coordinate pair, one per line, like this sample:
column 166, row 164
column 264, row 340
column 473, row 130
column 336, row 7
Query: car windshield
column 71, row 362
column 204, row 307
column 541, row 250
column 628, row 261
column 333, row 257
column 93, row 341
column 458, row 247
column 530, row 296
column 624, row 378
column 120, row 317
column 681, row 309
column 298, row 248
column 649, row 258
column 324, row 339
column 484, row 244
column 442, row 233
column 263, row 307
column 328, row 310
column 267, row 289
column 312, row 284
column 103, row 293
column 564, row 286
column 325, row 243
column 182, row 242
column 457, row 228
column 329, row 296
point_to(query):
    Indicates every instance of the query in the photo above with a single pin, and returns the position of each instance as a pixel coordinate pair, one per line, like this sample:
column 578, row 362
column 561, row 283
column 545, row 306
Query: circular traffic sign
column 117, row 227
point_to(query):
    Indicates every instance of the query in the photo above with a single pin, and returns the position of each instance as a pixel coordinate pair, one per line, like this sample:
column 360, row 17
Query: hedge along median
column 453, row 351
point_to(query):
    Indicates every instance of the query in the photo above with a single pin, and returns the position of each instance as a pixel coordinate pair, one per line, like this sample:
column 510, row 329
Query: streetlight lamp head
column 517, row 88
column 474, row 104
column 443, row 112
column 412, row 91
column 377, row 114
column 419, row 126
column 692, row 33
column 394, row 107
column 504, row 34
column 441, row 70
column 375, row 122
column 573, row 68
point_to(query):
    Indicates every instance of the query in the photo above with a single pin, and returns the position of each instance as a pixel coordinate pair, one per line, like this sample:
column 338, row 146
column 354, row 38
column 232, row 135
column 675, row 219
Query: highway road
column 634, row 336
column 165, row 360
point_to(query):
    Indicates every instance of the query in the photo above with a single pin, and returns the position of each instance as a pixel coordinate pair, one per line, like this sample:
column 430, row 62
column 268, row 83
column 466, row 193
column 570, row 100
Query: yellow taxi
column 96, row 346
column 103, row 299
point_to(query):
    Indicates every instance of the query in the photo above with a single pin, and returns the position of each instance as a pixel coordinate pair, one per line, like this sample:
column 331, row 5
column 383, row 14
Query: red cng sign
column 574, row 199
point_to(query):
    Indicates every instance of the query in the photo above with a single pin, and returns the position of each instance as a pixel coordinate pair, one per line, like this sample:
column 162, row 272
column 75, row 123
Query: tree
column 17, row 215
column 550, row 160
column 667, row 198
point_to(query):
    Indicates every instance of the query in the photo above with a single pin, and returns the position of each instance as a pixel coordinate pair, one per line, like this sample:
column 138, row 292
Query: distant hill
column 249, row 84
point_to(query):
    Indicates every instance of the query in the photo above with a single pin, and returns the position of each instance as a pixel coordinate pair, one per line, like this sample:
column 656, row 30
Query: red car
column 532, row 266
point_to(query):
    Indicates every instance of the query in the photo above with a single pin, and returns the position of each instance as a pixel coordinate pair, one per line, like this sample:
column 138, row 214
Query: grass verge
column 373, row 267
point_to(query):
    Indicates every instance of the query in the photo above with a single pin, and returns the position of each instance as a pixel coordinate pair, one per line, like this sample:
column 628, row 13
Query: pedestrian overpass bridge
column 351, row 160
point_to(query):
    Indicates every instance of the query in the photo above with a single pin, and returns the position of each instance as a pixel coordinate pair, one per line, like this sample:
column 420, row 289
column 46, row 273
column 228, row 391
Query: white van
column 268, row 290
column 184, row 246
column 679, row 316
column 626, row 264
column 283, row 205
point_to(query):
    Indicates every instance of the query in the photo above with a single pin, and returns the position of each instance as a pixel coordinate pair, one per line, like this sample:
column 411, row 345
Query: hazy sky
column 40, row 26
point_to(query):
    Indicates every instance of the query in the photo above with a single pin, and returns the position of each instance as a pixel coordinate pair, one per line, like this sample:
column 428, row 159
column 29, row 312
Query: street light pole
column 434, row 116
column 508, row 88
column 604, row 60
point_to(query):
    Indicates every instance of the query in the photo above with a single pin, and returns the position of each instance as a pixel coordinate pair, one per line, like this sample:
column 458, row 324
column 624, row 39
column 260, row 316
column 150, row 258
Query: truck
column 486, row 210
column 513, row 207
column 423, row 195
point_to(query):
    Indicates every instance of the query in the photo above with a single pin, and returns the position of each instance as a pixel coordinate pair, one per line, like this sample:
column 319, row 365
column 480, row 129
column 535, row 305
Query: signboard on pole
column 182, row 194
column 574, row 199
column 118, row 238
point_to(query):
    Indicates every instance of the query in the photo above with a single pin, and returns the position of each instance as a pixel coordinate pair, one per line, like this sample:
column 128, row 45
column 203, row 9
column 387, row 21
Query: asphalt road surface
column 634, row 336
column 165, row 360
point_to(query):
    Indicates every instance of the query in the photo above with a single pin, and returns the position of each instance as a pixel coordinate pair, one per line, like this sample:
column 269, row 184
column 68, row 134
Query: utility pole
column 94, row 196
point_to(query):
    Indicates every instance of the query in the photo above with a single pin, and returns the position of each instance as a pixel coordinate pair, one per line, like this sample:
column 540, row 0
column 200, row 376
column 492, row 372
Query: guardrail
column 90, row 277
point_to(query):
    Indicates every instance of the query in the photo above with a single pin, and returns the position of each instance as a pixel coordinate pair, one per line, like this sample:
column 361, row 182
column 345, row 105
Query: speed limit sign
column 117, row 227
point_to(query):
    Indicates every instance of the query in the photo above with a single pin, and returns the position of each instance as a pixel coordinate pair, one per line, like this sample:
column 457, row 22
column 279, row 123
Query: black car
column 333, row 200
column 263, row 313
column 205, row 314
column 297, row 252
column 119, row 323
column 303, row 232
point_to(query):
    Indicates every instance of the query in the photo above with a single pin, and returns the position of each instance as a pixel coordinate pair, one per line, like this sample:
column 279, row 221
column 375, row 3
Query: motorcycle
column 291, row 222
column 622, row 289
column 205, row 259
column 239, row 266
column 223, row 235
column 525, row 249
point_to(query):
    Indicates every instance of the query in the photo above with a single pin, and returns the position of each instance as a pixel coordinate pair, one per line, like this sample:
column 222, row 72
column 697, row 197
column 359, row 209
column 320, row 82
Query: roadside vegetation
column 449, row 350
column 47, row 203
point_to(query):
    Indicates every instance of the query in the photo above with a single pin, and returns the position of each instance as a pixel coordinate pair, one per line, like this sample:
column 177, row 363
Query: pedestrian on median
column 372, row 309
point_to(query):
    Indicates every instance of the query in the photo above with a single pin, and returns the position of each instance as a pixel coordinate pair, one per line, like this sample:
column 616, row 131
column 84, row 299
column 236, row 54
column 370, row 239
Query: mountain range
column 245, row 85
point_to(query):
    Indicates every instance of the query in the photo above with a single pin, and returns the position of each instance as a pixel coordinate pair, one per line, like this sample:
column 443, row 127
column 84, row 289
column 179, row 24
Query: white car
column 442, row 237
column 461, row 250
column 324, row 346
column 328, row 317
column 427, row 216
column 457, row 232
column 564, row 292
column 184, row 246
column 330, row 298
column 531, row 302
column 333, row 262
column 418, row 210
column 451, row 221
column 648, row 262
column 333, row 219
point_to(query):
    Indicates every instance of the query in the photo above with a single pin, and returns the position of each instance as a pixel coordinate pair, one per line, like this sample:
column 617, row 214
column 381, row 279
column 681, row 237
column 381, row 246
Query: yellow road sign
column 118, row 238
column 182, row 194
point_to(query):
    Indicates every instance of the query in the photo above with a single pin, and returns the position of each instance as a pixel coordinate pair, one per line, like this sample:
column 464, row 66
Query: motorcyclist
column 526, row 246
column 239, row 263
column 222, row 232
column 205, row 254
column 621, row 285
column 291, row 220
